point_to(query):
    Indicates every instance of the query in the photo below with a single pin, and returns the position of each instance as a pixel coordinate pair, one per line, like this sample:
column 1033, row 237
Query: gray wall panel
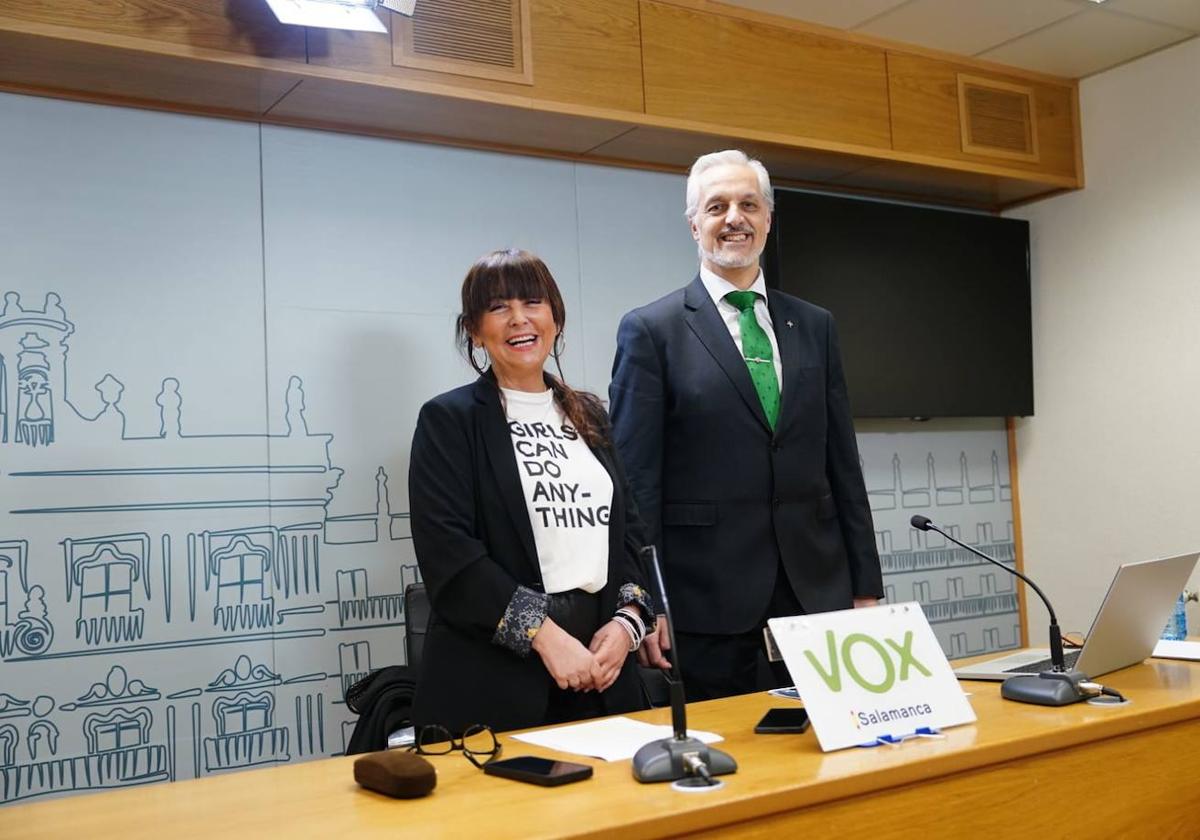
column 263, row 313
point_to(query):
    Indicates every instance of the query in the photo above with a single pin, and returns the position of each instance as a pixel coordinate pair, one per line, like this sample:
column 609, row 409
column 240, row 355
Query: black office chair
column 655, row 687
column 416, row 620
column 383, row 698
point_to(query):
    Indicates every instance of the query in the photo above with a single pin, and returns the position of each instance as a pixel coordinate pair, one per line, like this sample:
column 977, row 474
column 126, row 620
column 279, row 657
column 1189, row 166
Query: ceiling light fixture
column 354, row 15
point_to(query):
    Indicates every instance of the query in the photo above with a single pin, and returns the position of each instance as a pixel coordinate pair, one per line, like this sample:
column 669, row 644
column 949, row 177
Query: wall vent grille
column 997, row 119
column 483, row 38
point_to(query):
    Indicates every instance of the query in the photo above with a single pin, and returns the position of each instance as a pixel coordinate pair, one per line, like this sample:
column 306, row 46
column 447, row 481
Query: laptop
column 1131, row 619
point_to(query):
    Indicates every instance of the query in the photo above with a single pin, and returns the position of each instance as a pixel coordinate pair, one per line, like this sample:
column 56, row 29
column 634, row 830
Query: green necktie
column 756, row 349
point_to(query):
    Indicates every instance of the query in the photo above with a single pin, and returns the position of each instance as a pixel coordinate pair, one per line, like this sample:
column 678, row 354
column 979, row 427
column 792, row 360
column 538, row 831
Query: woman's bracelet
column 635, row 639
column 635, row 617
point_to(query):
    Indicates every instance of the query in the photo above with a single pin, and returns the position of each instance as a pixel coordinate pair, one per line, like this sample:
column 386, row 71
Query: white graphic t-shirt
column 567, row 491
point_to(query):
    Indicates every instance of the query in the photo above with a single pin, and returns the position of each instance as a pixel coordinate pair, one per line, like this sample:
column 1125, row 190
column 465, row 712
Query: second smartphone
column 782, row 721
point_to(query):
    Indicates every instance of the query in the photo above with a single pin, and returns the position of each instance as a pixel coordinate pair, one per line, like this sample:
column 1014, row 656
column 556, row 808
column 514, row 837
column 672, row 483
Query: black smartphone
column 780, row 721
column 538, row 771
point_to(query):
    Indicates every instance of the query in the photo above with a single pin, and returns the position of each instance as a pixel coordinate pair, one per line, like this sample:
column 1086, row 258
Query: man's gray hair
column 724, row 158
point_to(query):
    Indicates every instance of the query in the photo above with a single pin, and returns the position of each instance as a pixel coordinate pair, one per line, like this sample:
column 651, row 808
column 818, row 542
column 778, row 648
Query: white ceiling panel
column 1086, row 43
column 840, row 14
column 966, row 27
column 1072, row 38
column 1182, row 13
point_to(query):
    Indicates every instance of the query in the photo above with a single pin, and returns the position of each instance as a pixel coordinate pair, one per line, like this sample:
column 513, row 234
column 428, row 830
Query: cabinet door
column 728, row 71
column 960, row 112
column 580, row 52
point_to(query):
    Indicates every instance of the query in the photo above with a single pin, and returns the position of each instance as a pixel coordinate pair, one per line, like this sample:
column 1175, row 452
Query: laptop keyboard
column 1069, row 660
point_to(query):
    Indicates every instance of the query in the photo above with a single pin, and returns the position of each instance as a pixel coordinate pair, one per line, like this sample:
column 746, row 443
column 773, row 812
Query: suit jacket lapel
column 498, row 442
column 788, row 339
column 702, row 316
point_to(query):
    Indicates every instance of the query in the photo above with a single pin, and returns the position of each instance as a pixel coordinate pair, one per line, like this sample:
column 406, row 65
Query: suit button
column 777, row 502
column 775, row 447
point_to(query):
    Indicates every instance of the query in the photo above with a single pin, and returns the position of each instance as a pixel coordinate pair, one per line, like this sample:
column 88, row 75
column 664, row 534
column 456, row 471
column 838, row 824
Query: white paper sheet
column 610, row 739
column 403, row 737
column 1166, row 649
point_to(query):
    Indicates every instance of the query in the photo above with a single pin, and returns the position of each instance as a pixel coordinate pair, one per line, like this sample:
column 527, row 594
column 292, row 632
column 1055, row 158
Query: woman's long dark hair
column 509, row 274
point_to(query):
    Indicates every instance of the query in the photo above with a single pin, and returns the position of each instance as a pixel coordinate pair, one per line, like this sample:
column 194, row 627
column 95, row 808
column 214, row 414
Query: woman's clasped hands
column 579, row 668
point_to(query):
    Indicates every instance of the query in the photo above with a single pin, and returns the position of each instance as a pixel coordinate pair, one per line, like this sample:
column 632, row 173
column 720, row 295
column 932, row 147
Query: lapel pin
column 790, row 324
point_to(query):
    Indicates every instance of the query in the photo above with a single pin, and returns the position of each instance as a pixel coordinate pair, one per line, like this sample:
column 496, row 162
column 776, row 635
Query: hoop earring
column 477, row 364
column 557, row 351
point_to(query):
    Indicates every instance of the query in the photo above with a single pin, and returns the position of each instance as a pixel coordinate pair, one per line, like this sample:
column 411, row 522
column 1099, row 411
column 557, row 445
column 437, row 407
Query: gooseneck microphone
column 1056, row 687
column 677, row 757
column 923, row 523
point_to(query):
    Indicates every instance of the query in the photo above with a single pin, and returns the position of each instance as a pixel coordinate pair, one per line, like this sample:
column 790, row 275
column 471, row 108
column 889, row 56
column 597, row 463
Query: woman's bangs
column 510, row 281
column 519, row 282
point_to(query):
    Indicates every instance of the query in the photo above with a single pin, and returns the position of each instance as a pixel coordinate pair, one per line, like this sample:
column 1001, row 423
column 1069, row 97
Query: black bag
column 383, row 702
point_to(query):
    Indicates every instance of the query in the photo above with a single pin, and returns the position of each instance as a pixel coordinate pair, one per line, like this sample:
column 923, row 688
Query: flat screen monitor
column 932, row 306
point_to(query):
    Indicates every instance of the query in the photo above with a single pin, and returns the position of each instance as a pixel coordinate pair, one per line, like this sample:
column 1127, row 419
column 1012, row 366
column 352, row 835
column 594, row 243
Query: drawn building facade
column 972, row 606
column 152, row 553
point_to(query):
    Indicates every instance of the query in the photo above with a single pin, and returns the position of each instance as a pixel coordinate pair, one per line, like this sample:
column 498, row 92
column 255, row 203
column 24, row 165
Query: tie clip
column 758, row 360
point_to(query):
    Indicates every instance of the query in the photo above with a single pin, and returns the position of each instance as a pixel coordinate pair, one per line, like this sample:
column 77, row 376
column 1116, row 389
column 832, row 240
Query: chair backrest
column 655, row 688
column 416, row 621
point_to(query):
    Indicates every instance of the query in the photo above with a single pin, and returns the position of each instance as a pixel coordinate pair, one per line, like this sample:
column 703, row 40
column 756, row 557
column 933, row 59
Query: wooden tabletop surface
column 777, row 773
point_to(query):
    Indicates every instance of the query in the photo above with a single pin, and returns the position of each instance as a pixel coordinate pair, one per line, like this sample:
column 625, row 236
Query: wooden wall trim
column 1079, row 176
column 1022, row 605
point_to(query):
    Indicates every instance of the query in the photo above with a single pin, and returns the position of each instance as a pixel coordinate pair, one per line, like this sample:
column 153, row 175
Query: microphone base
column 1049, row 688
column 662, row 761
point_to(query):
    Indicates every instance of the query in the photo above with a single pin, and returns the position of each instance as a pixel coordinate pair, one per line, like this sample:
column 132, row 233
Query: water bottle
column 1176, row 629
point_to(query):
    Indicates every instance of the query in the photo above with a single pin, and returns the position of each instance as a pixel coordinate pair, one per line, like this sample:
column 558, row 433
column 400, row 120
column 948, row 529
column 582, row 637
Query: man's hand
column 859, row 603
column 650, row 654
column 609, row 647
column 568, row 661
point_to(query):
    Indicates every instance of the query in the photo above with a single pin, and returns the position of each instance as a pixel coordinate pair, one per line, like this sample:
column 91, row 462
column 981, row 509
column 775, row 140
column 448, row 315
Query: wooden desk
column 1109, row 772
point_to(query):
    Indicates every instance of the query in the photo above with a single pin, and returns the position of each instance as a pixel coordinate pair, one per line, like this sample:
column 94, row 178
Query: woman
column 523, row 525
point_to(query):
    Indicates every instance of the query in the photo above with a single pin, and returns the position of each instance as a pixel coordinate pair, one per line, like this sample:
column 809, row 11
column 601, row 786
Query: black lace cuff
column 521, row 621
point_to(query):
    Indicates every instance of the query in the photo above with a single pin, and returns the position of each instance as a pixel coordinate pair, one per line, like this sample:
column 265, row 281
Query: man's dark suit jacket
column 475, row 545
column 723, row 497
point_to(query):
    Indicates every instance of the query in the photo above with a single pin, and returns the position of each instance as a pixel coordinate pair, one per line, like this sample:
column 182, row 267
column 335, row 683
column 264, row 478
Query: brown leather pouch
column 403, row 775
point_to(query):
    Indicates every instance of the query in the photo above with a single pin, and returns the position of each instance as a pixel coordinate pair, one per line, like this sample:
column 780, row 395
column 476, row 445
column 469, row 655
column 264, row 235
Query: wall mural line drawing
column 137, row 556
column 213, row 610
column 972, row 606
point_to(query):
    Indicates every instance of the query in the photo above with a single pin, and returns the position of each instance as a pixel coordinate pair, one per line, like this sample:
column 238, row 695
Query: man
column 730, row 412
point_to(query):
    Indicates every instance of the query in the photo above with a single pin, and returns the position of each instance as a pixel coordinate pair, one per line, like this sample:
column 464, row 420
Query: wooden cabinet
column 584, row 52
column 729, row 71
column 634, row 82
column 929, row 115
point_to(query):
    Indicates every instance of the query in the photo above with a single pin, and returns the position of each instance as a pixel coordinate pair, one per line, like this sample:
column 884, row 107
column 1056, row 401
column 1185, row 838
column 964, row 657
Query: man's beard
column 729, row 260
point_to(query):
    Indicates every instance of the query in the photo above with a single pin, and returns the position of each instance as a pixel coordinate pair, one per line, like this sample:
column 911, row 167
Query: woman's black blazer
column 474, row 545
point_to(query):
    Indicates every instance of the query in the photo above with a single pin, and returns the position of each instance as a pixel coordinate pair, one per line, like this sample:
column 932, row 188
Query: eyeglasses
column 477, row 741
